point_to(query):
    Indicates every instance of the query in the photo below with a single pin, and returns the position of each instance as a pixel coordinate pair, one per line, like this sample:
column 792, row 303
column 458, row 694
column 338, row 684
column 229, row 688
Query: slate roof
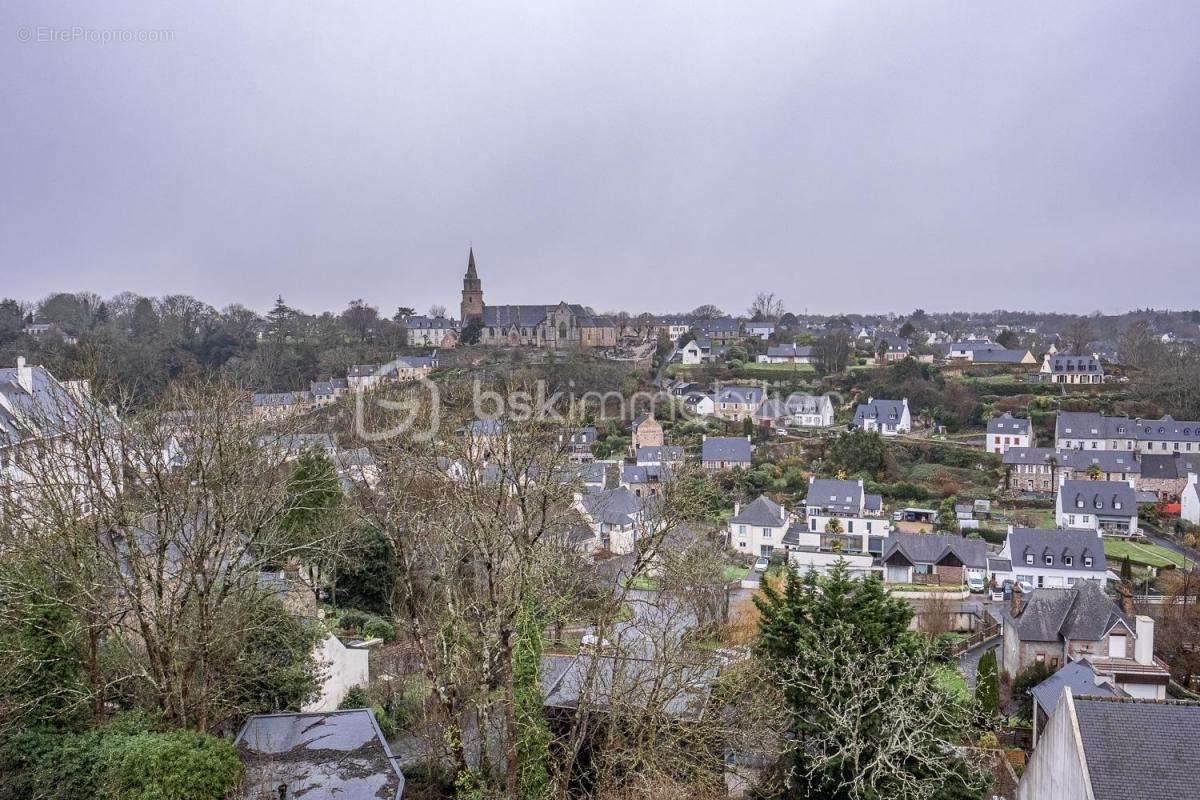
column 1169, row 465
column 931, row 548
column 1081, row 679
column 772, row 409
column 1140, row 749
column 749, row 395
column 1007, row 424
column 339, row 754
column 645, row 474
column 1039, row 542
column 529, row 316
column 666, row 453
column 720, row 325
column 327, row 388
column 1167, row 429
column 1029, row 455
column 763, row 512
column 1000, row 356
column 1071, row 364
column 1081, row 613
column 883, row 411
column 1091, row 425
column 617, row 506
column 894, row 344
column 1109, row 498
column 1106, row 460
column 430, row 323
column 723, row 448
column 280, row 399
column 683, row 689
column 806, row 403
column 836, row 496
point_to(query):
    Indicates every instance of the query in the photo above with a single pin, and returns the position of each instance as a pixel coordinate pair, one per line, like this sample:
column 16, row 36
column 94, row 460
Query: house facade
column 438, row 332
column 887, row 417
column 735, row 403
column 1071, row 369
column 809, row 411
column 718, row 453
column 1056, row 626
column 1106, row 507
column 927, row 558
column 1008, row 431
column 758, row 528
column 1054, row 559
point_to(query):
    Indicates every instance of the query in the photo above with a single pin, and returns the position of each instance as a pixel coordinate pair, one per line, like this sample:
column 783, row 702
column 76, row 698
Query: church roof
column 471, row 264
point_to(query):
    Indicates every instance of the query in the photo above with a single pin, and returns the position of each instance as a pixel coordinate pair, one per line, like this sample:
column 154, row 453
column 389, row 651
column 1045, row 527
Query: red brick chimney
column 1126, row 599
column 1018, row 599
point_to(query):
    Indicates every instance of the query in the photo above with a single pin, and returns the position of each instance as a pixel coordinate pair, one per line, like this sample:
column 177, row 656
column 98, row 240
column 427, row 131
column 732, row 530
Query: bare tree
column 437, row 311
column 832, row 352
column 766, row 307
column 1079, row 336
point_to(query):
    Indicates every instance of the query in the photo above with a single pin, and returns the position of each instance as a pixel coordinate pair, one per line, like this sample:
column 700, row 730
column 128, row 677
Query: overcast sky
column 847, row 156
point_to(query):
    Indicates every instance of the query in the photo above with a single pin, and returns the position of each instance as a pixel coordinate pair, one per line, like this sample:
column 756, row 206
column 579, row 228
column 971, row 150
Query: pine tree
column 1126, row 571
column 987, row 685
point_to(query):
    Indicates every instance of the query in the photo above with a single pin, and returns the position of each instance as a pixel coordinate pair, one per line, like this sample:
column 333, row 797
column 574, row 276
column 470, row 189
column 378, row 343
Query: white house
column 1052, row 559
column 1070, row 369
column 1008, row 431
column 809, row 411
column 788, row 354
column 888, row 417
column 699, row 351
column 1106, row 507
column 1190, row 500
column 838, row 506
column 759, row 528
column 699, row 405
column 619, row 518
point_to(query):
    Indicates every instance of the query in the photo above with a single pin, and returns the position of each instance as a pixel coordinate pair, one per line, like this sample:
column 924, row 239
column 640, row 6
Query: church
column 563, row 325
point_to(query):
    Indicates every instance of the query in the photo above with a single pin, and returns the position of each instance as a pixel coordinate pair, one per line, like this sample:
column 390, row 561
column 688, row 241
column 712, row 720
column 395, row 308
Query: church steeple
column 472, row 292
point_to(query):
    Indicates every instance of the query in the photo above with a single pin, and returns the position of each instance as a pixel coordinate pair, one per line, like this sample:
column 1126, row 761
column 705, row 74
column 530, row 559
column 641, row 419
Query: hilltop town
column 539, row 548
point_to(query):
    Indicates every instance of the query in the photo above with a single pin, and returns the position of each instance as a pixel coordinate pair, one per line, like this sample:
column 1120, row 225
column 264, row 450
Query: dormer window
column 1067, row 561
column 1029, row 558
column 1116, row 503
column 1049, row 561
column 1087, row 561
column 1079, row 502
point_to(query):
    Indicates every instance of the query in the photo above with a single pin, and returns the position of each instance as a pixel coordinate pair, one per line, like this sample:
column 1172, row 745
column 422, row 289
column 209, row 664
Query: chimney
column 737, row 509
column 1126, row 598
column 1017, row 599
column 1143, row 648
column 24, row 375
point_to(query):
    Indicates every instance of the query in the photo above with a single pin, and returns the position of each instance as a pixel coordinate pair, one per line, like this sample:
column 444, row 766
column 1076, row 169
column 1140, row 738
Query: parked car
column 976, row 583
column 761, row 564
column 781, row 431
column 1026, row 587
column 997, row 594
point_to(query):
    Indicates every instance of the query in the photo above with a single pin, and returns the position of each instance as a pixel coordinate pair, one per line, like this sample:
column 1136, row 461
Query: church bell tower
column 472, row 292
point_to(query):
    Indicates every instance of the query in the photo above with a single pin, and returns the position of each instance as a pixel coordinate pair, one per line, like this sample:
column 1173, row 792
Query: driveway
column 968, row 662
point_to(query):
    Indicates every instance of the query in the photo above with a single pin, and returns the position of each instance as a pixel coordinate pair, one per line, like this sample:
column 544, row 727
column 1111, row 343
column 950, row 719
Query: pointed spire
column 471, row 264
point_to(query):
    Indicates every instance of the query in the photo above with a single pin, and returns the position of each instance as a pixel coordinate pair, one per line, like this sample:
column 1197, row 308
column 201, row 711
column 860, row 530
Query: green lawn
column 798, row 368
column 952, row 683
column 1147, row 555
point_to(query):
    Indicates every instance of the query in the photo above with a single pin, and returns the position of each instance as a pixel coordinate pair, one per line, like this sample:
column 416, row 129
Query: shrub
column 377, row 627
column 357, row 697
column 1028, row 678
column 387, row 725
column 119, row 762
column 353, row 620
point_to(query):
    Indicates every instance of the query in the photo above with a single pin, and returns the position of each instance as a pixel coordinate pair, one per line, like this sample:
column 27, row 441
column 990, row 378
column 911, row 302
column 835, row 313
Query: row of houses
column 360, row 378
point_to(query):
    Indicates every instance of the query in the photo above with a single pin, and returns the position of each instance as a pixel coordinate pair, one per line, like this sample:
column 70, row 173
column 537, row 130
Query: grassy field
column 801, row 369
column 1147, row 555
